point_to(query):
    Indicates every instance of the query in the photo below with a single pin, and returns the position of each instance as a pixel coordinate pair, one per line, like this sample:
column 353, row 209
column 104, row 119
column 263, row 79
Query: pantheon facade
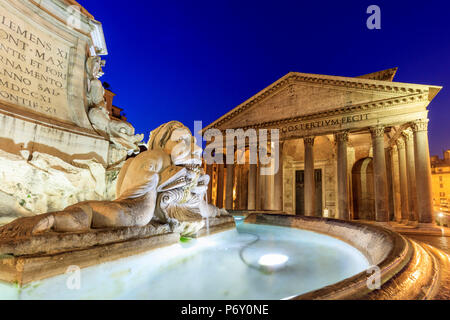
column 350, row 148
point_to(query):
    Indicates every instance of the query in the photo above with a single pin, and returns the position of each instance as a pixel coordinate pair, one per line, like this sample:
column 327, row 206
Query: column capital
column 407, row 134
column 341, row 136
column 377, row 131
column 420, row 125
column 400, row 144
column 309, row 140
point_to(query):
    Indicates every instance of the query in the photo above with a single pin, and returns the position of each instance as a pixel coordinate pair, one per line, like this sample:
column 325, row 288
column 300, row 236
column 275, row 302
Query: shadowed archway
column 363, row 192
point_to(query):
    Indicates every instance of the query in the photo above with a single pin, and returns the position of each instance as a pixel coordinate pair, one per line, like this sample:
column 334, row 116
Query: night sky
column 196, row 60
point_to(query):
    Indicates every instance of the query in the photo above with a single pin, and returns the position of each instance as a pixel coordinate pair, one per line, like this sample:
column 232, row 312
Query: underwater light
column 273, row 260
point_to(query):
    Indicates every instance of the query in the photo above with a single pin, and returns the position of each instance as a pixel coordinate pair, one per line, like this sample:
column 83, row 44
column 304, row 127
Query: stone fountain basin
column 407, row 270
column 32, row 258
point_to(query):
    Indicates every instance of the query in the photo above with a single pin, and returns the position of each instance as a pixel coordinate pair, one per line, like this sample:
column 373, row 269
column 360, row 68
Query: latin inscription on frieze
column 317, row 124
column 33, row 67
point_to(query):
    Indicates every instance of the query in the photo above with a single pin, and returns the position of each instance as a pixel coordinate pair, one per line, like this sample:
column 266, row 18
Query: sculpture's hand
column 27, row 226
column 43, row 225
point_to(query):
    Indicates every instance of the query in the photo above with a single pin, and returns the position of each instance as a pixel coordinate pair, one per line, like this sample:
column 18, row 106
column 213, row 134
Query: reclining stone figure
column 165, row 183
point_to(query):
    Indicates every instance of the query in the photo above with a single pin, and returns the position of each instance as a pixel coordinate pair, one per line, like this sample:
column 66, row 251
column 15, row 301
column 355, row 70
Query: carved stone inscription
column 325, row 123
column 33, row 67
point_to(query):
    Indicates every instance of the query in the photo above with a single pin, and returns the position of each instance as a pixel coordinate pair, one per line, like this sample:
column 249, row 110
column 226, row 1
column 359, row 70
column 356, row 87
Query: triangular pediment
column 299, row 94
column 384, row 75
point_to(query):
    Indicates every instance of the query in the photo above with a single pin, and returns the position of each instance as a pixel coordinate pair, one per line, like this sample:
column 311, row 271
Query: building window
column 442, row 185
column 440, row 178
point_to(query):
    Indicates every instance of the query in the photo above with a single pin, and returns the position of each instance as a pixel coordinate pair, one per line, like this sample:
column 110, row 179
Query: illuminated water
column 210, row 268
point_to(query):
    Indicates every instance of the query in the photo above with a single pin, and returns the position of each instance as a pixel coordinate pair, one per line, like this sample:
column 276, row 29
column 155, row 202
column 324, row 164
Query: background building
column 440, row 171
column 114, row 111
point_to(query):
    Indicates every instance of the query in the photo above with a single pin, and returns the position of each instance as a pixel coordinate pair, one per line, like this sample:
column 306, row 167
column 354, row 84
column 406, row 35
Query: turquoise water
column 220, row 266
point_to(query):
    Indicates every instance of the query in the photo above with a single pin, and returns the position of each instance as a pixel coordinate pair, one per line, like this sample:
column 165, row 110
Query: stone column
column 379, row 174
column 237, row 187
column 220, row 185
column 244, row 187
column 390, row 183
column 403, row 179
column 261, row 189
column 341, row 139
column 310, row 187
column 411, row 176
column 241, row 187
column 396, row 183
column 278, row 183
column 423, row 172
column 252, row 186
column 268, row 191
column 229, row 187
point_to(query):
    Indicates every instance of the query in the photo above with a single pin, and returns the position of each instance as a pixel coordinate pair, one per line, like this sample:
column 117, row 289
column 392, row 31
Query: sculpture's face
column 94, row 64
column 184, row 183
column 183, row 149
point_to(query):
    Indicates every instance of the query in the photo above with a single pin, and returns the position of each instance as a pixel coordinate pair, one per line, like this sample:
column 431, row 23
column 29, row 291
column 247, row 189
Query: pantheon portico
column 350, row 148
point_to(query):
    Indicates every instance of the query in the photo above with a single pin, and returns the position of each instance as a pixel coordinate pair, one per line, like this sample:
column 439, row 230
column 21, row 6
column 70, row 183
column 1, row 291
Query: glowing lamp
column 273, row 261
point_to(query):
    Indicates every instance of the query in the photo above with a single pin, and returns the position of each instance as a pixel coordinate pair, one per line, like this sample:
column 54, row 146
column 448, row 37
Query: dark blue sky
column 195, row 60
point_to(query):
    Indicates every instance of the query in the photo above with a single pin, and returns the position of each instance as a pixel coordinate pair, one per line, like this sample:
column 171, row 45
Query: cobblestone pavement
column 443, row 244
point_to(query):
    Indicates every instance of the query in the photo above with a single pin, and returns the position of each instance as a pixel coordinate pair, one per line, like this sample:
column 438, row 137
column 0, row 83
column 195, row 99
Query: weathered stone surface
column 37, row 257
column 44, row 183
column 25, row 269
column 54, row 242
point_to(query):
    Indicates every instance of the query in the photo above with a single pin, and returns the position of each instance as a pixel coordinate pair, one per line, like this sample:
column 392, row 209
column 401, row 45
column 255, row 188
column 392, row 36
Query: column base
column 405, row 228
column 428, row 227
column 412, row 223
